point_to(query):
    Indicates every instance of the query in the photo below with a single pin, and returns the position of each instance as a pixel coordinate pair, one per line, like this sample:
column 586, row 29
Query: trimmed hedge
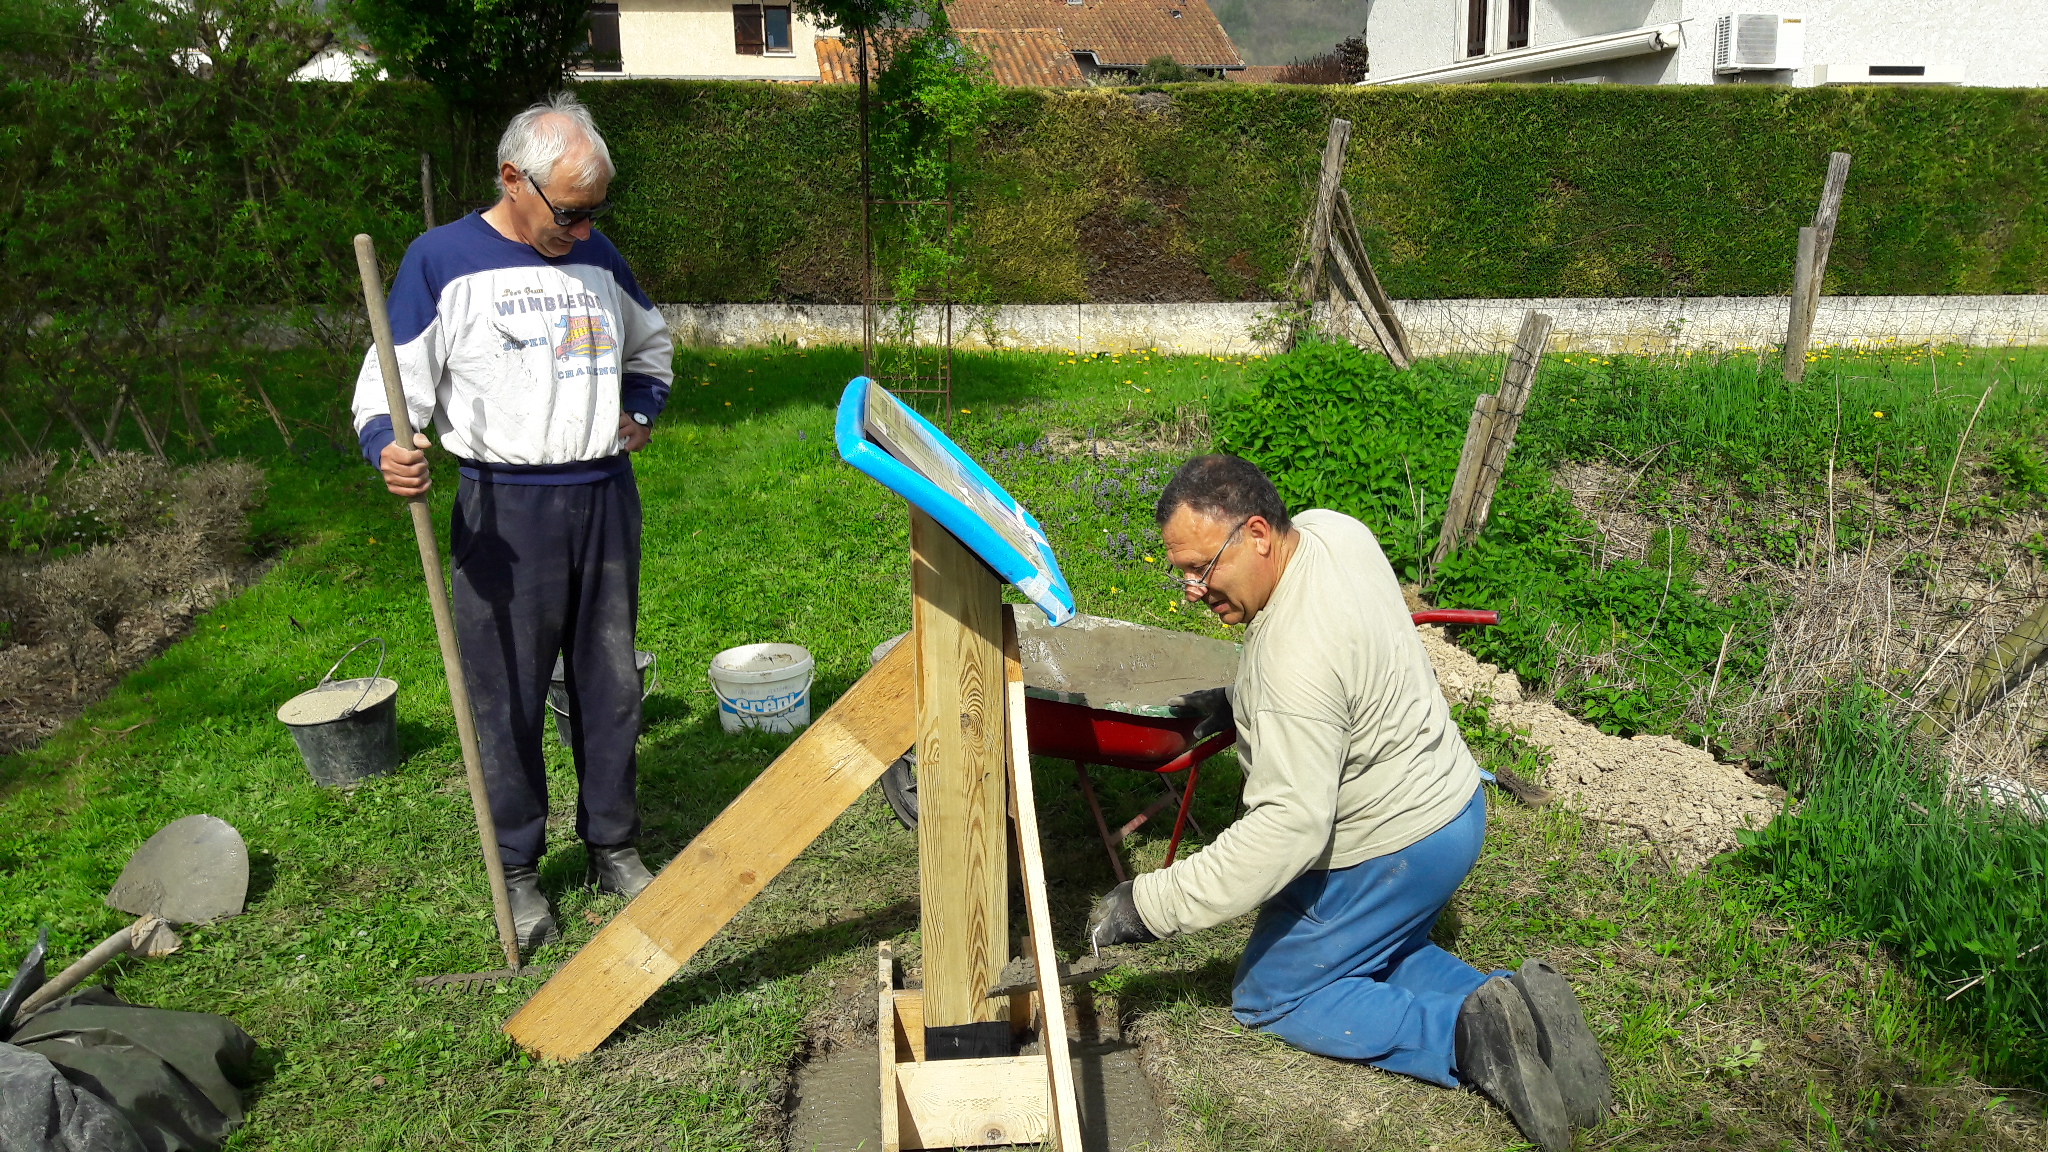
column 740, row 192
column 736, row 192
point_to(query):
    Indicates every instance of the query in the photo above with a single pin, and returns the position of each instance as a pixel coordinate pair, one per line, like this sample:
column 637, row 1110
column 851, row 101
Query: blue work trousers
column 1340, row 961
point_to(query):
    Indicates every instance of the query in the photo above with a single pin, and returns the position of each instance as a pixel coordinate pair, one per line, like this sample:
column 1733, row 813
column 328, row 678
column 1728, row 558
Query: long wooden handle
column 104, row 952
column 437, row 592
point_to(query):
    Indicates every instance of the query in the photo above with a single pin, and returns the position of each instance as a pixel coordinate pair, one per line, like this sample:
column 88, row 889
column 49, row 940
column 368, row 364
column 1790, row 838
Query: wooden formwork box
column 964, row 675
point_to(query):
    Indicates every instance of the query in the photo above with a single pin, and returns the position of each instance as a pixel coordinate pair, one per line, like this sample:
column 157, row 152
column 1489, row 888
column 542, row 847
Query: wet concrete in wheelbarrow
column 838, row 1101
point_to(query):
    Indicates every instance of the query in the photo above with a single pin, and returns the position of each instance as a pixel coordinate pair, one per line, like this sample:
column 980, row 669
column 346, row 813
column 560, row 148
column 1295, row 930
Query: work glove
column 1116, row 920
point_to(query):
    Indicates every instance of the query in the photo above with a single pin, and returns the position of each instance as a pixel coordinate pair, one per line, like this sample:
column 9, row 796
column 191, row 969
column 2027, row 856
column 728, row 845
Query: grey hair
column 537, row 139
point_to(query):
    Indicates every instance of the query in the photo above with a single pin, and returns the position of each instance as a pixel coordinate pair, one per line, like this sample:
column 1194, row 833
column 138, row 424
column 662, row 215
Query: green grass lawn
column 755, row 532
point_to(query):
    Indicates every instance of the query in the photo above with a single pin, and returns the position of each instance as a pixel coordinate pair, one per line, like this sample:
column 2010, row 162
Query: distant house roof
column 1119, row 33
column 838, row 61
column 1019, row 58
column 1027, row 57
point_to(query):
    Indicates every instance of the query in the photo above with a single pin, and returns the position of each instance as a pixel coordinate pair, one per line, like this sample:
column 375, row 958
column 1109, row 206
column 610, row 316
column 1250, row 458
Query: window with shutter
column 746, row 29
column 1518, row 23
column 1475, row 27
column 775, row 31
column 605, row 54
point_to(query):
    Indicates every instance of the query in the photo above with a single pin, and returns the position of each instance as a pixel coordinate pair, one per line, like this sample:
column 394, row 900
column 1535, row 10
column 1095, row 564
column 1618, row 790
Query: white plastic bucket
column 764, row 686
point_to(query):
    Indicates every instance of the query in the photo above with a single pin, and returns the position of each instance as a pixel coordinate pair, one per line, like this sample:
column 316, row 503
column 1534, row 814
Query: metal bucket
column 346, row 730
column 645, row 663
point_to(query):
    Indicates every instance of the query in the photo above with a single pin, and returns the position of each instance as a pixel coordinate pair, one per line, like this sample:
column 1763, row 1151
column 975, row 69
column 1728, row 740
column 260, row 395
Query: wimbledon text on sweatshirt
column 1348, row 749
column 521, row 364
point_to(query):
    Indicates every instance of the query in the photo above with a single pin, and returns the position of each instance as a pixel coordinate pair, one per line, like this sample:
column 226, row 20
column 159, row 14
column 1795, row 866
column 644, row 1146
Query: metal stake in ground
column 437, row 593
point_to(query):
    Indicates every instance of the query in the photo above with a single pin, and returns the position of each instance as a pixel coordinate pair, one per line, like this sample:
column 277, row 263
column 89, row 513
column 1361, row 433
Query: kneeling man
column 1363, row 814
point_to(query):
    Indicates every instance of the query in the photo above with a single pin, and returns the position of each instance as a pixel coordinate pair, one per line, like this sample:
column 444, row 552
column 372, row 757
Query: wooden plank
column 968, row 1103
column 1308, row 270
column 1517, row 380
column 1829, row 212
column 1345, row 274
column 1348, row 232
column 794, row 800
column 957, row 634
column 1799, row 320
column 885, row 1041
column 909, row 1016
column 1458, row 508
column 1066, row 1116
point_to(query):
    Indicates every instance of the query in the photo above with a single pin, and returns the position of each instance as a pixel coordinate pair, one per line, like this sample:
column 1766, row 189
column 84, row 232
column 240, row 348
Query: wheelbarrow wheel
column 899, row 786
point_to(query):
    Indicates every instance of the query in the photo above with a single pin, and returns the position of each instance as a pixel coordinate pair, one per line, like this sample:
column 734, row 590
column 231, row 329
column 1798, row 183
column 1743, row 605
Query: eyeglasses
column 566, row 217
column 1200, row 584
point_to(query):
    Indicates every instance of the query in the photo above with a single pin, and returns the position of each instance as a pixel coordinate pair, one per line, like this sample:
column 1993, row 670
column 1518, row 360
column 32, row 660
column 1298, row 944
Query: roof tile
column 1121, row 33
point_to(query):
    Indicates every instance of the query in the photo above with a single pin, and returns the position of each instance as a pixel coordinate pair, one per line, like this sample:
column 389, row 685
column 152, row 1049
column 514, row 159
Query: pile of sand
column 1678, row 798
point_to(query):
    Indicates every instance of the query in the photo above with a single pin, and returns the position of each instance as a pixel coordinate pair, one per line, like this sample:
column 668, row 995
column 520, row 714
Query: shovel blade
column 193, row 871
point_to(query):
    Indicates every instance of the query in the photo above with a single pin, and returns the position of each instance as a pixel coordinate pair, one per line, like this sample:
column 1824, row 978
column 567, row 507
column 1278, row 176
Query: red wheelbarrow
column 1123, row 695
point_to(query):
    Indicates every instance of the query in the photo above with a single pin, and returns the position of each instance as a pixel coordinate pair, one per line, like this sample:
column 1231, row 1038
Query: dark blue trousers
column 542, row 569
column 1340, row 962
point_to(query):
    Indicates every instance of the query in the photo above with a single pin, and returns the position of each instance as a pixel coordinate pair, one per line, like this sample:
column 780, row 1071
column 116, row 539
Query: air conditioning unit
column 1759, row 42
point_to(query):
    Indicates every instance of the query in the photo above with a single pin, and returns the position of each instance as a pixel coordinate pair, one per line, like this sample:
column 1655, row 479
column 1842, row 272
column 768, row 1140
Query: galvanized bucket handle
column 653, row 682
column 382, row 651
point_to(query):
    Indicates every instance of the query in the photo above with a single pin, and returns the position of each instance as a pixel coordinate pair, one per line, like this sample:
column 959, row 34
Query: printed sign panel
column 882, row 437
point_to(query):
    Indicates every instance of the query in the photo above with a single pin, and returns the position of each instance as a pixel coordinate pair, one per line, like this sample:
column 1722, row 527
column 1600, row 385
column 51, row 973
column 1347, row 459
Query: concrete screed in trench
column 838, row 1101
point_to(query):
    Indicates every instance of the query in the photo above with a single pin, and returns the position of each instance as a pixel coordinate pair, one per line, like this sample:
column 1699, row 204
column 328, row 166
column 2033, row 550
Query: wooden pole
column 1309, row 269
column 1813, row 265
column 437, row 594
column 1799, row 324
column 1516, row 382
column 1489, row 436
column 957, row 630
column 787, row 806
column 1352, row 280
column 1390, row 322
column 1066, row 1119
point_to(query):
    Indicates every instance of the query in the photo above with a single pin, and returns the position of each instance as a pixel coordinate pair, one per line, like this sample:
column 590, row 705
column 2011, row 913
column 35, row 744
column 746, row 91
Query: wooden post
column 786, row 807
column 1347, row 275
column 1812, row 266
column 1799, row 323
column 1459, row 507
column 1309, row 269
column 957, row 631
column 1489, row 436
column 1066, row 1120
column 1516, row 382
column 1347, row 228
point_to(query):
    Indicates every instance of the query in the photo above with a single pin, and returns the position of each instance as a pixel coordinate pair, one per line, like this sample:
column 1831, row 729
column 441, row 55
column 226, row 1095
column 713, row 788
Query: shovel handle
column 437, row 596
column 103, row 953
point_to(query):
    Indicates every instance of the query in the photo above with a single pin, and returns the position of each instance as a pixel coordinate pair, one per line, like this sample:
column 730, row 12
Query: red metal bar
column 1456, row 616
column 1186, row 798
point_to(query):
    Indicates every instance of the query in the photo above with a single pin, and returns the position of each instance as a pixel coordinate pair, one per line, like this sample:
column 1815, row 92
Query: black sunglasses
column 565, row 217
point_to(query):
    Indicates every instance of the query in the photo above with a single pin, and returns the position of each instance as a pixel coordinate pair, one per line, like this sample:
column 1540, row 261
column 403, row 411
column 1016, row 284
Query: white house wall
column 1997, row 43
column 692, row 39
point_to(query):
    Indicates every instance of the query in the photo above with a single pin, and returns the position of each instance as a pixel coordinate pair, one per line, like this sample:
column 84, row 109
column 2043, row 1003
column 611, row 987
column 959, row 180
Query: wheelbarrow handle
column 1456, row 616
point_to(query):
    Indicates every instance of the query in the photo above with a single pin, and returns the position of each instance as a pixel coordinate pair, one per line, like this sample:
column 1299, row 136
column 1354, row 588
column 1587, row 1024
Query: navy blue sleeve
column 643, row 394
column 374, row 437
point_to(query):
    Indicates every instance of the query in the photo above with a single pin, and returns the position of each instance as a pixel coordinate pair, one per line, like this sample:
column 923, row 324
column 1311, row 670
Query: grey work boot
column 617, row 871
column 533, row 922
column 1565, row 1042
column 1497, row 1053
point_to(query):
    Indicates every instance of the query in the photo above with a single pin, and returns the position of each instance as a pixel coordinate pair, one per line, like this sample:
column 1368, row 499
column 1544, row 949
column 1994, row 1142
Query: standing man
column 523, row 337
column 1363, row 814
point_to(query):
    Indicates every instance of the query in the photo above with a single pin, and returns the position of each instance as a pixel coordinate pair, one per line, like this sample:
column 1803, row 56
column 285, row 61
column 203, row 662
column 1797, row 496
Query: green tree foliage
column 487, row 58
column 1167, row 70
column 169, row 197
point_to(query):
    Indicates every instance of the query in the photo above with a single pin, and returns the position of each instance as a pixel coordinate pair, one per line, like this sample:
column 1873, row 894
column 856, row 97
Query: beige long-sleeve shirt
column 1348, row 749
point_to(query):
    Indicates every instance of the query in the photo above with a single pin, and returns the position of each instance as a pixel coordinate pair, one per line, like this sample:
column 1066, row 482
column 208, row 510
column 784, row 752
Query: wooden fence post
column 1309, row 268
column 1489, row 436
column 1812, row 267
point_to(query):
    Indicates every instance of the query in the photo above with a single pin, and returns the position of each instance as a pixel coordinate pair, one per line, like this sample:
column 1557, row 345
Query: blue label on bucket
column 768, row 705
